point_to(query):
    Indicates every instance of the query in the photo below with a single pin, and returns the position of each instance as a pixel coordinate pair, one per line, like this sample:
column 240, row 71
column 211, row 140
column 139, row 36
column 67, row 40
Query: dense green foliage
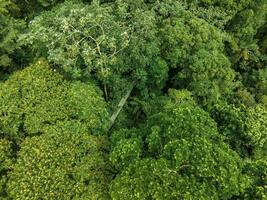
column 11, row 28
column 178, row 155
column 64, row 163
column 37, row 97
column 133, row 99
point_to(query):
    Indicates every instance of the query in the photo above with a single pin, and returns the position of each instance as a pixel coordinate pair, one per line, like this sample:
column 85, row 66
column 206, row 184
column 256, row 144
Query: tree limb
column 120, row 106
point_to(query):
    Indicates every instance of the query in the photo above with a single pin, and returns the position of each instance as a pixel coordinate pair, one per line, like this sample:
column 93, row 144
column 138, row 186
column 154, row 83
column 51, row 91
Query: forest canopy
column 133, row 99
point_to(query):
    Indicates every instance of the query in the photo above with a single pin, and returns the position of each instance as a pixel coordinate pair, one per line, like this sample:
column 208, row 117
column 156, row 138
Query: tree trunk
column 120, row 106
